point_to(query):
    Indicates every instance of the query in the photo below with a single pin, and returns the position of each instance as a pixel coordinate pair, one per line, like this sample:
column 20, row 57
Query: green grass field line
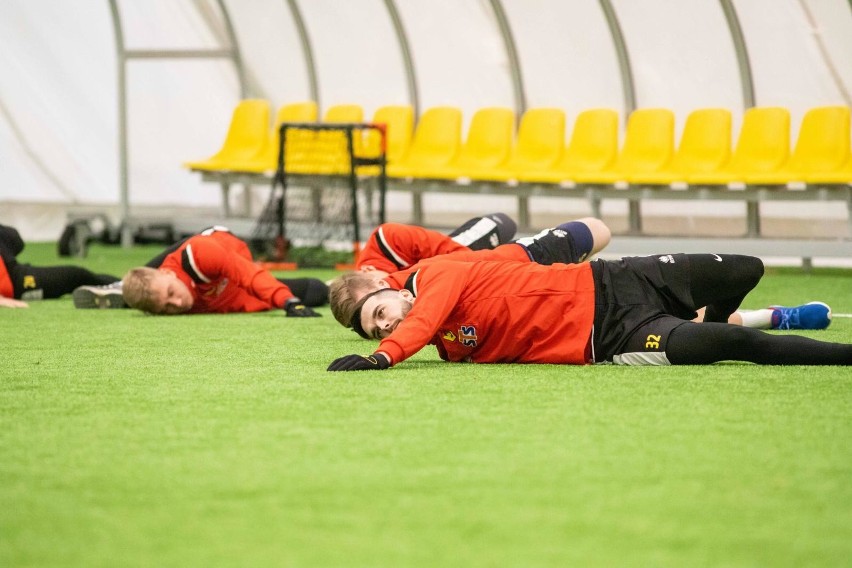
column 130, row 440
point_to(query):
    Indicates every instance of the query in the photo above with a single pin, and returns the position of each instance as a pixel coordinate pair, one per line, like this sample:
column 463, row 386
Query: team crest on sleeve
column 467, row 335
column 667, row 259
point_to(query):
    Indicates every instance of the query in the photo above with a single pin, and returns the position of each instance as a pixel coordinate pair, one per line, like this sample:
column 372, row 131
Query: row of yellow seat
column 539, row 153
column 647, row 156
column 251, row 146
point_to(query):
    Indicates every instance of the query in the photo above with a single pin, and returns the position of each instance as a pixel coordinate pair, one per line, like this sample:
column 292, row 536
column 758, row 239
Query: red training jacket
column 498, row 312
column 393, row 246
column 218, row 270
column 6, row 288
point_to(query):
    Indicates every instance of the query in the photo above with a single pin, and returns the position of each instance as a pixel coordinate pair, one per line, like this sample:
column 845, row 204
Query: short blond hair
column 345, row 292
column 136, row 288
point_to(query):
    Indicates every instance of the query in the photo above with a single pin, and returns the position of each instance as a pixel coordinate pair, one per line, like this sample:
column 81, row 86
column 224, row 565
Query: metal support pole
column 623, row 57
column 410, row 75
column 234, row 52
column 307, row 51
column 514, row 61
column 524, row 212
column 124, row 190
column 123, row 55
column 741, row 51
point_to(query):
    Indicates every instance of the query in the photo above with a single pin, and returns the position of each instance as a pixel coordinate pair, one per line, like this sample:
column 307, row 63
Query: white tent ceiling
column 59, row 125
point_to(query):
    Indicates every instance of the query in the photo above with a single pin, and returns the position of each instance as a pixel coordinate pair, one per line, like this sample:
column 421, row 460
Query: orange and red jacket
column 498, row 312
column 219, row 272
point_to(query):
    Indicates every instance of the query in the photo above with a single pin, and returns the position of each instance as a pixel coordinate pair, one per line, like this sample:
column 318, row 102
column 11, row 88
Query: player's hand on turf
column 374, row 362
column 12, row 303
column 296, row 309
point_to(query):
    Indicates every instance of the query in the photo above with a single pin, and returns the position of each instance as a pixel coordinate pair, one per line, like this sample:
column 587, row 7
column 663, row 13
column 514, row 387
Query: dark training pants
column 644, row 304
column 42, row 282
column 704, row 343
column 47, row 282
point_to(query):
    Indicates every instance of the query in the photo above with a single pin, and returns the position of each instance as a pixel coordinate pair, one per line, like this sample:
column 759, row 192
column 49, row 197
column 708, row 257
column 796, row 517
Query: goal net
column 329, row 188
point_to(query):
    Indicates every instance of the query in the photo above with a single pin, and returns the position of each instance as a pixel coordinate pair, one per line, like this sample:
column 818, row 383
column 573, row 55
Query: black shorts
column 558, row 245
column 633, row 297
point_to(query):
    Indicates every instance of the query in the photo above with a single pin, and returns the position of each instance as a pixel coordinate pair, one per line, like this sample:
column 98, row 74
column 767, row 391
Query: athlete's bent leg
column 311, row 291
column 569, row 243
column 11, row 242
column 486, row 232
column 601, row 235
column 721, row 282
column 705, row 343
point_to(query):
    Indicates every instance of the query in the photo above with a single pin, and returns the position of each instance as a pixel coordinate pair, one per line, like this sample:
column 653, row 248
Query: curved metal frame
column 742, row 52
column 307, row 50
column 514, row 61
column 236, row 55
column 410, row 74
column 623, row 57
column 123, row 55
column 124, row 195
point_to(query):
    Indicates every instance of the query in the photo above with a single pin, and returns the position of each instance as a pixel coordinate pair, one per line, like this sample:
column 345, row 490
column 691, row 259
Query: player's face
column 374, row 272
column 170, row 295
column 383, row 312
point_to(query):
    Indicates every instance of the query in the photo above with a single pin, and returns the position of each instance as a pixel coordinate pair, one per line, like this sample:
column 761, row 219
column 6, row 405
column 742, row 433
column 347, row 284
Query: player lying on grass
column 20, row 281
column 634, row 311
column 213, row 273
column 475, row 234
column 392, row 250
column 570, row 243
column 394, row 246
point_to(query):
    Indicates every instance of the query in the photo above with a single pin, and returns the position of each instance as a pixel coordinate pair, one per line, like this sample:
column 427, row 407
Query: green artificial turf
column 130, row 440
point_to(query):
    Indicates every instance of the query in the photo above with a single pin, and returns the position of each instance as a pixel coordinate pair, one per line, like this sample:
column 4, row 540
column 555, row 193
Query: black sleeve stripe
column 388, row 251
column 187, row 261
column 411, row 283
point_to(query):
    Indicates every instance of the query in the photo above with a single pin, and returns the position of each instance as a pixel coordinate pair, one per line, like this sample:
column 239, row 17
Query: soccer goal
column 330, row 185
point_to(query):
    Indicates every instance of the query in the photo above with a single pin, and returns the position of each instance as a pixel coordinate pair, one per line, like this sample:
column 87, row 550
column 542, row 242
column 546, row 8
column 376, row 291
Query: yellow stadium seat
column 248, row 135
column 488, row 143
column 436, row 141
column 705, row 146
column 821, row 148
column 842, row 175
column 399, row 126
column 763, row 146
column 343, row 113
column 648, row 147
column 267, row 160
column 593, row 147
column 541, row 136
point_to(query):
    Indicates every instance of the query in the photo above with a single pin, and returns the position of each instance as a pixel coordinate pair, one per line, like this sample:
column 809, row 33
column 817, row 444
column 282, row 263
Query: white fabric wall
column 58, row 92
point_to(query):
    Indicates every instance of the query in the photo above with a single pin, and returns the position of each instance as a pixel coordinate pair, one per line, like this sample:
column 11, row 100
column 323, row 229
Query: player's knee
column 752, row 269
column 316, row 293
column 759, row 269
column 601, row 234
column 505, row 228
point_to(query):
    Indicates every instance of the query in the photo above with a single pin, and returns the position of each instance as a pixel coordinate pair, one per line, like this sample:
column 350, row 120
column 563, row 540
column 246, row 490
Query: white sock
column 757, row 319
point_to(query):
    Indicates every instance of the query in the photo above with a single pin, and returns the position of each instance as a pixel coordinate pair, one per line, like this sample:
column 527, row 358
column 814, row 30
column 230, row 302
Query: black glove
column 296, row 309
column 375, row 362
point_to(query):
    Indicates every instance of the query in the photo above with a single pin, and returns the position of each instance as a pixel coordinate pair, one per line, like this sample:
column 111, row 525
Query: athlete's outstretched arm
column 12, row 303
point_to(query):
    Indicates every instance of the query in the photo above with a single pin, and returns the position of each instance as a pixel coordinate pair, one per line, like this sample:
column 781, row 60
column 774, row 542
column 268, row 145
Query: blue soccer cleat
column 813, row 315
